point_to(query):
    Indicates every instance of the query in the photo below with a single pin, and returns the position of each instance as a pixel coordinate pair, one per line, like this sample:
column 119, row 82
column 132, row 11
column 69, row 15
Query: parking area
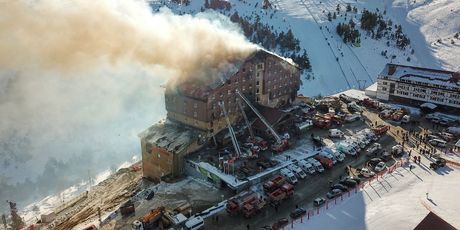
column 313, row 186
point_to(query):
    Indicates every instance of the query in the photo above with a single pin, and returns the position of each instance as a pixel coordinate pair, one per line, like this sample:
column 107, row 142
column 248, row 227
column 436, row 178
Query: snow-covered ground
column 397, row 201
column 424, row 21
column 338, row 66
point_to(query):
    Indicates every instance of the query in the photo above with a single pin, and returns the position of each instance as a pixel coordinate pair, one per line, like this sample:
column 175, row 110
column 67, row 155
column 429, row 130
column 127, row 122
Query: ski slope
column 338, row 66
column 397, row 201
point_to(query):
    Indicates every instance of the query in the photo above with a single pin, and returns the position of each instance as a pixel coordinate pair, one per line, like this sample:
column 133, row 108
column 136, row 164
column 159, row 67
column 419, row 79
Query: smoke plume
column 80, row 79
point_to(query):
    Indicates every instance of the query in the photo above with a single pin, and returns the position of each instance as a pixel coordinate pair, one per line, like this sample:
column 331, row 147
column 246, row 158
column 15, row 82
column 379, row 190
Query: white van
column 335, row 133
column 318, row 167
column 289, row 175
column 307, row 167
column 194, row 223
column 297, row 171
column 438, row 142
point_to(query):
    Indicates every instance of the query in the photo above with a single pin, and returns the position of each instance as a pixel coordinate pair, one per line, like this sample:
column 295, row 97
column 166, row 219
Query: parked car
column 386, row 156
column 335, row 133
column 348, row 182
column 374, row 149
column 380, row 167
column 298, row 212
column 365, row 172
column 280, row 224
column 374, row 161
column 319, row 201
column 334, row 193
column 150, row 195
column 340, row 186
column 356, row 179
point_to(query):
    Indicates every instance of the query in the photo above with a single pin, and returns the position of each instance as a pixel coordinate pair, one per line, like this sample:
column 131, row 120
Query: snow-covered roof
column 441, row 78
column 170, row 136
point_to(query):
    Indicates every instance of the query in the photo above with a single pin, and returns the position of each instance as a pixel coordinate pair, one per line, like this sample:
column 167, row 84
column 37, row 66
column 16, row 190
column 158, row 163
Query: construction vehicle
column 149, row 220
column 248, row 204
column 381, row 129
column 281, row 193
column 280, row 143
column 274, row 183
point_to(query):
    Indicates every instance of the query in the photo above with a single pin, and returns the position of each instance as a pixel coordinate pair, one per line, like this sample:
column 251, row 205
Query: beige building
column 164, row 146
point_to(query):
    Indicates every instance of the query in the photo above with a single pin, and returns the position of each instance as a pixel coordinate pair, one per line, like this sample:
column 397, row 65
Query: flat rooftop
column 423, row 75
column 170, row 136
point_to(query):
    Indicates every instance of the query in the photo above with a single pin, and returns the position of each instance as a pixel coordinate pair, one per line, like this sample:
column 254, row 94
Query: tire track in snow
column 302, row 2
column 333, row 6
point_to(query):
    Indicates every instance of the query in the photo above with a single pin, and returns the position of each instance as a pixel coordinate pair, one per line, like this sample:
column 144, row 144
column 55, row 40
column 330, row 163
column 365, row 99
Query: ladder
column 246, row 119
column 230, row 130
column 272, row 131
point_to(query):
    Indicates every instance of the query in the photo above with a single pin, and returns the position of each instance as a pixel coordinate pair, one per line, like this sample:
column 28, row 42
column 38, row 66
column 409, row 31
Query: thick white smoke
column 80, row 79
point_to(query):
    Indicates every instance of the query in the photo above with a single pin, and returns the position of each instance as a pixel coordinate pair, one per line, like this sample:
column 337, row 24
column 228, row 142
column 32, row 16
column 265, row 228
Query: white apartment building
column 415, row 86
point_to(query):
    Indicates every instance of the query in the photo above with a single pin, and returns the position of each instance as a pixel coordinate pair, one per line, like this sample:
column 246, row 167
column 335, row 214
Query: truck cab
column 289, row 175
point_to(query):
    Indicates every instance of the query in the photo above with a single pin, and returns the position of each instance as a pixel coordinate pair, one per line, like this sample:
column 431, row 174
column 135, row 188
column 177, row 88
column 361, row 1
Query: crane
column 230, row 130
column 251, row 133
column 280, row 143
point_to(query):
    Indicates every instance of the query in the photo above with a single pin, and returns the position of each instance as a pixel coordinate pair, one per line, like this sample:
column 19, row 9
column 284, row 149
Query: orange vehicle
column 369, row 103
column 381, row 129
column 150, row 219
column 274, row 183
column 248, row 204
column 326, row 162
column 282, row 193
column 280, row 147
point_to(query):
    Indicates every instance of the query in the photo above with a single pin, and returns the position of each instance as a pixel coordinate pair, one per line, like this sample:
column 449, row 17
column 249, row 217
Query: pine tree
column 338, row 8
column 329, row 17
column 348, row 7
column 334, row 16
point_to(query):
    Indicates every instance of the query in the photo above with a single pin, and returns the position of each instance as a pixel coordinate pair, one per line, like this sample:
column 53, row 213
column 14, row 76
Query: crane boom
column 272, row 131
column 230, row 130
column 246, row 120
